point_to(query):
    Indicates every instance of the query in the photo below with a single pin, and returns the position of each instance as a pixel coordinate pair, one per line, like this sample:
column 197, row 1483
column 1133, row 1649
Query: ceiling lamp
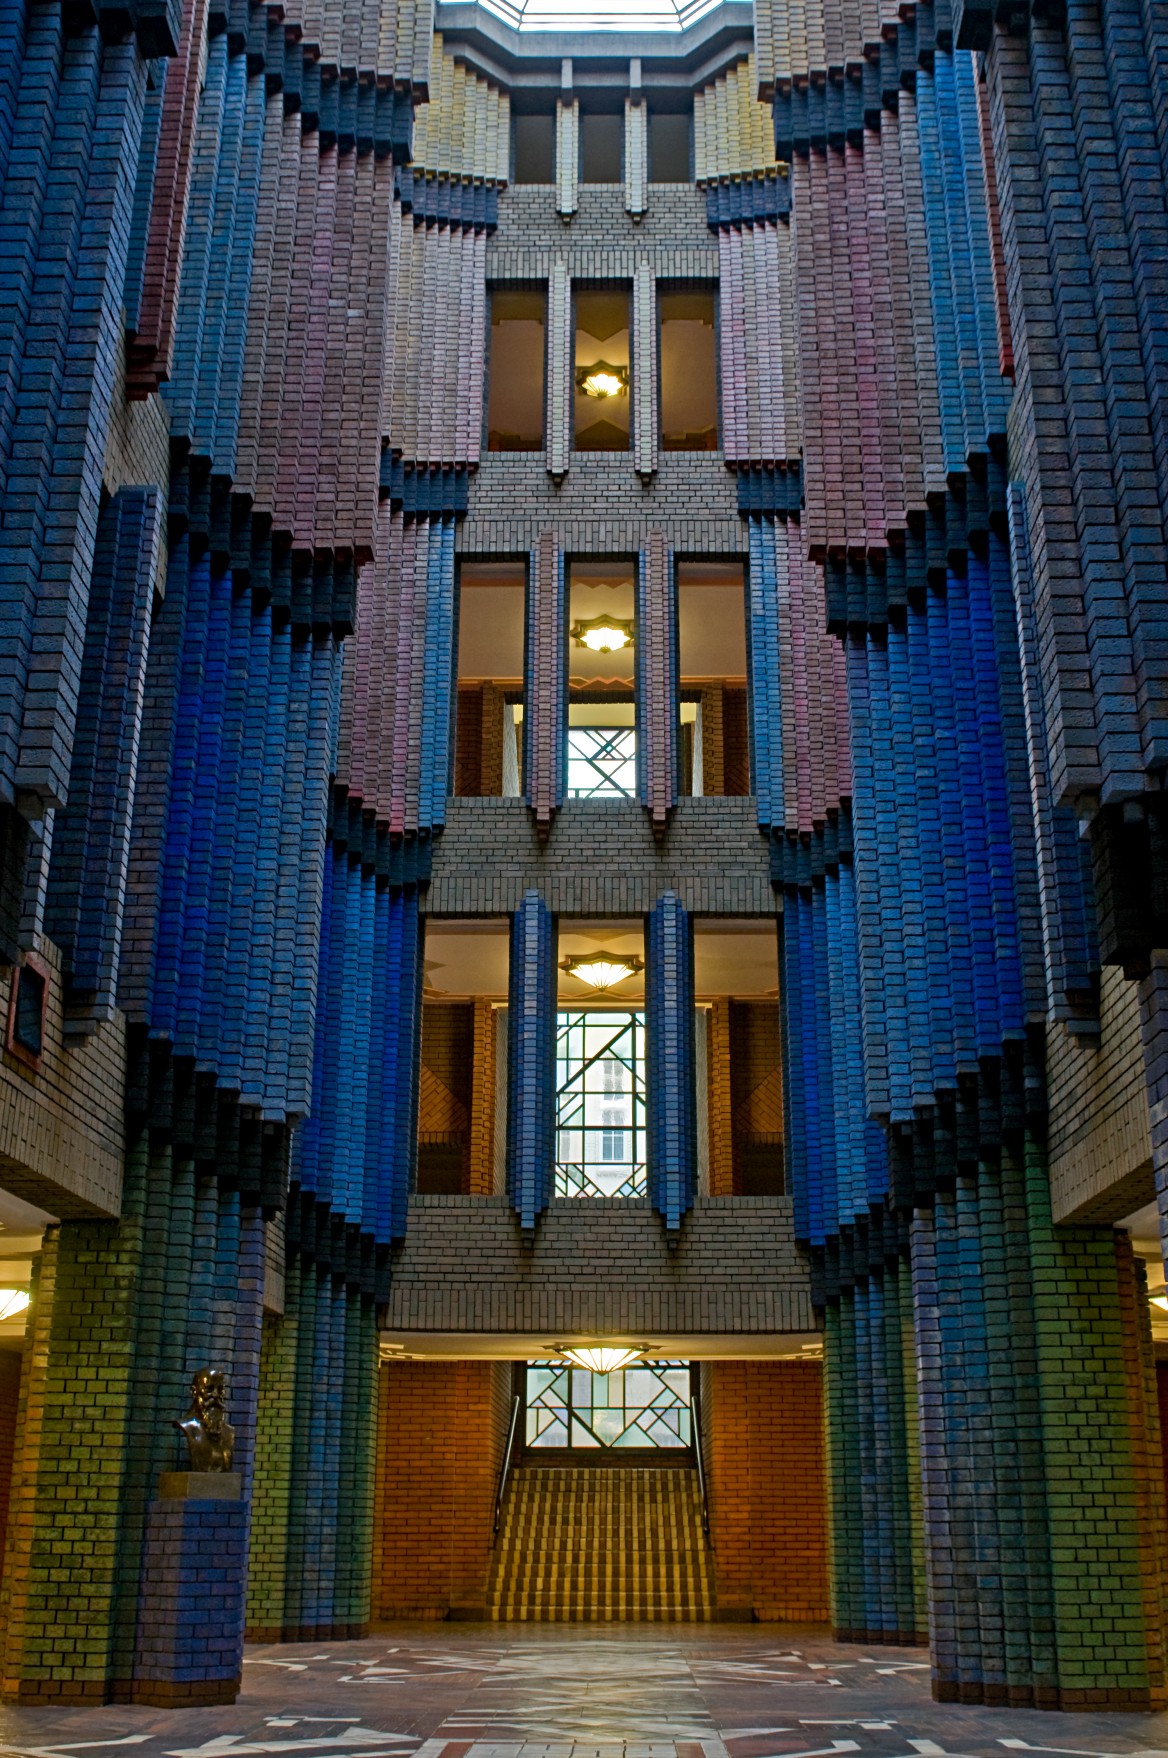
column 602, row 970
column 599, row 1360
column 602, row 380
column 603, row 634
column 12, row 1301
column 1159, row 1297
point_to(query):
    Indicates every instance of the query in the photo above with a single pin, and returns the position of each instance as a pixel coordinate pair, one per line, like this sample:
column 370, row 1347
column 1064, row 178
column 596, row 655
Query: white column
column 645, row 399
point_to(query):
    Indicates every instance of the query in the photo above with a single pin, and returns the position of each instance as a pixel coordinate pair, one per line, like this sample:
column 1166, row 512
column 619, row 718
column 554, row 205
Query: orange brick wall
column 441, row 1431
column 9, row 1402
column 763, row 1427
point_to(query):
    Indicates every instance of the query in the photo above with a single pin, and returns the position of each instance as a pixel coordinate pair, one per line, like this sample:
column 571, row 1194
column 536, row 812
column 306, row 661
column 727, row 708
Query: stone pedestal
column 191, row 1601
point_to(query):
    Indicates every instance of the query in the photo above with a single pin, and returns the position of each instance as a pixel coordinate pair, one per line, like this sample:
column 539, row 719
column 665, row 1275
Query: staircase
column 601, row 1545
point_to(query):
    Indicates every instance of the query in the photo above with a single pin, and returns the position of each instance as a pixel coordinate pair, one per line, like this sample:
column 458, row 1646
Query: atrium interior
column 584, row 877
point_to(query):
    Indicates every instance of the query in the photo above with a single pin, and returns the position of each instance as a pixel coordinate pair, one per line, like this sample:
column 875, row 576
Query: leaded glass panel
column 600, row 1104
column 602, row 763
column 643, row 1406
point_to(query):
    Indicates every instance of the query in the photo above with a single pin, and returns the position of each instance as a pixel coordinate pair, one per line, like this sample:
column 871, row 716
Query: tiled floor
column 579, row 1691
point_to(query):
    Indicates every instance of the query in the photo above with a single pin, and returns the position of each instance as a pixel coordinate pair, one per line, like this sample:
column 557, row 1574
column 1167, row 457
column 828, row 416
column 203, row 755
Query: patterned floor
column 491, row 1691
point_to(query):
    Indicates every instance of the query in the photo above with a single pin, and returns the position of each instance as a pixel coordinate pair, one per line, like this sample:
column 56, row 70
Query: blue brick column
column 671, row 1115
column 531, row 1060
column 190, row 1610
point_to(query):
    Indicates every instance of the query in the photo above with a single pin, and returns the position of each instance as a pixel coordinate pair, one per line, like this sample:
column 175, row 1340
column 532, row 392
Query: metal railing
column 505, row 1473
column 700, row 1461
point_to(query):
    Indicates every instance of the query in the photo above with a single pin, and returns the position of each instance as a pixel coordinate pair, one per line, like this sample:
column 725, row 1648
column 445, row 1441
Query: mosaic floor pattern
column 491, row 1691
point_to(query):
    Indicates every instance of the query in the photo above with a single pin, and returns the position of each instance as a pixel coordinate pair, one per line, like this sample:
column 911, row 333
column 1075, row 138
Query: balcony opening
column 603, row 400
column 602, row 140
column 739, row 1063
column 462, row 1106
column 515, row 369
column 602, row 731
column 711, row 624
column 689, row 369
column 534, row 148
column 671, row 144
column 488, row 747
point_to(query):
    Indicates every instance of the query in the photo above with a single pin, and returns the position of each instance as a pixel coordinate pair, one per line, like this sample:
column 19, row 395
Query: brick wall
column 735, row 741
column 719, row 1104
column 445, row 1096
column 756, row 1096
column 9, row 1403
column 484, row 1098
column 441, row 1432
column 601, row 859
column 602, row 1267
column 762, row 1423
column 1100, row 1143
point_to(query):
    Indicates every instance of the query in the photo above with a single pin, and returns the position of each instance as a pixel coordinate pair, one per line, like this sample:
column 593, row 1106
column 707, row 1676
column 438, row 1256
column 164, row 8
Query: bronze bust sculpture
column 209, row 1436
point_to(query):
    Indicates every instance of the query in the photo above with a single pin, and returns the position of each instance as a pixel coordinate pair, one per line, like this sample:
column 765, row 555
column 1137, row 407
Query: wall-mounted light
column 601, row 1360
column 1159, row 1297
column 603, row 634
column 12, row 1302
column 602, row 380
column 602, row 970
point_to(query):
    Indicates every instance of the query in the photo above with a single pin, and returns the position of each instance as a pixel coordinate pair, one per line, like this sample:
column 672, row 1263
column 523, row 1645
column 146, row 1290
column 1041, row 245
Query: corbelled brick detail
column 601, row 858
column 601, row 1267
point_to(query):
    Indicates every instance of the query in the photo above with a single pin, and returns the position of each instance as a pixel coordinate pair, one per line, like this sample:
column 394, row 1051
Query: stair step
column 600, row 1546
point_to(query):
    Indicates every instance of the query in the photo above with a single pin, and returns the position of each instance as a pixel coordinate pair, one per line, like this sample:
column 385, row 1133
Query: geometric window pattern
column 600, row 1104
column 602, row 763
column 629, row 15
column 646, row 1406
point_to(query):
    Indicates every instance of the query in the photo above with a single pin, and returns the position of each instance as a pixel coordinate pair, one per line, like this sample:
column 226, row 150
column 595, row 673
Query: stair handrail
column 700, row 1462
column 508, row 1453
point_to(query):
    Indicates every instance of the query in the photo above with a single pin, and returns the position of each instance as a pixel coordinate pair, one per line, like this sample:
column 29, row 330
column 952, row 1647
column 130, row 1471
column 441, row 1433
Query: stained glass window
column 602, row 763
column 644, row 1406
column 600, row 1104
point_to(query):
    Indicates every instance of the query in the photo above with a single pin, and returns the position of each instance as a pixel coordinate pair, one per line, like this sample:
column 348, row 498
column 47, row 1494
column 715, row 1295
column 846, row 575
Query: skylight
column 618, row 15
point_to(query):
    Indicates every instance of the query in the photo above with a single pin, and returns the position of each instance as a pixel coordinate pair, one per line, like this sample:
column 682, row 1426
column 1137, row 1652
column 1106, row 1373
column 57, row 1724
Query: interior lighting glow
column 1160, row 1299
column 601, row 1360
column 601, row 970
column 603, row 380
column 603, row 634
column 12, row 1301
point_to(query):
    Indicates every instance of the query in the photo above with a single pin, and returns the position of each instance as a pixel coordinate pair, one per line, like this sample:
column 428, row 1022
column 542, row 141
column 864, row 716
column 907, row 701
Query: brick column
column 671, row 1108
column 545, row 683
column 658, row 691
column 531, row 1060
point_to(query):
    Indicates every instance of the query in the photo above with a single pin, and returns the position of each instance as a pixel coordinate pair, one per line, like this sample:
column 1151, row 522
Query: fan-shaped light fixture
column 596, row 1359
column 603, row 634
column 602, row 970
column 602, row 380
column 12, row 1301
column 1159, row 1297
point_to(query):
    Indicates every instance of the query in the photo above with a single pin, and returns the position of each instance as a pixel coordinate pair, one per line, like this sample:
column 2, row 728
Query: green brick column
column 1108, row 1654
column 268, row 1563
column 841, row 1433
column 1044, row 1502
column 905, row 1342
column 105, row 1374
